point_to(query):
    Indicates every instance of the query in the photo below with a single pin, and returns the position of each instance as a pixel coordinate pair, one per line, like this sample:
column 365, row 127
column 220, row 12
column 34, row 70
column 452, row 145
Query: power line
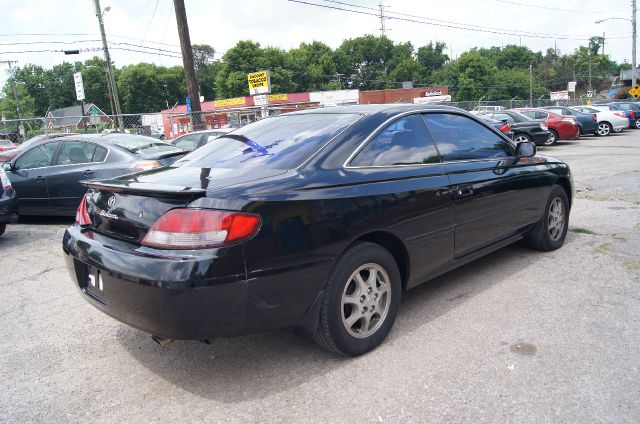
column 442, row 23
column 558, row 9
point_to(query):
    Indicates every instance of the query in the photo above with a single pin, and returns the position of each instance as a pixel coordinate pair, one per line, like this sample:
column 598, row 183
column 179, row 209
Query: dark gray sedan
column 47, row 176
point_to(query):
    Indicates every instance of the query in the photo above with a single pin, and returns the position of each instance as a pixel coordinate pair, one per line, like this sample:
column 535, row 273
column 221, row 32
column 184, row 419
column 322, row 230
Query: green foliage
column 367, row 62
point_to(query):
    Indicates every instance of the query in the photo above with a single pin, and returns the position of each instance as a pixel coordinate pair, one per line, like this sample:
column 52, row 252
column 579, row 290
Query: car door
column 29, row 178
column 495, row 196
column 75, row 161
column 409, row 192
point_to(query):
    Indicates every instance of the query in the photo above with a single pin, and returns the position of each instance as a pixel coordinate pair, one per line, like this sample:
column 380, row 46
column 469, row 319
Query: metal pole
column 633, row 44
column 107, row 57
column 530, row 85
column 589, row 70
column 21, row 131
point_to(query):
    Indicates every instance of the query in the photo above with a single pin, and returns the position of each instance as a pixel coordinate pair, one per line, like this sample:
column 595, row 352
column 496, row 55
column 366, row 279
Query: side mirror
column 7, row 166
column 526, row 149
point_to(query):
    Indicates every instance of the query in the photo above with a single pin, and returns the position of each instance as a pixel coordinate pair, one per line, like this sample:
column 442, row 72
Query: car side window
column 188, row 142
column 37, row 157
column 530, row 113
column 76, row 152
column 501, row 116
column 100, row 154
column 541, row 115
column 461, row 138
column 556, row 111
column 403, row 142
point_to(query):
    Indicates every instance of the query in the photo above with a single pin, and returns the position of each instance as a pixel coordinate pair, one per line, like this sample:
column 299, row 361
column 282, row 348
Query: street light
column 633, row 41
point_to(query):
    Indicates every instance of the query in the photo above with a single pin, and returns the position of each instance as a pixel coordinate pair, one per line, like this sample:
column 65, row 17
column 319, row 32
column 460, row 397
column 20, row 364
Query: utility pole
column 530, row 85
column 633, row 46
column 383, row 28
column 15, row 94
column 603, row 43
column 111, row 79
column 187, row 62
column 589, row 69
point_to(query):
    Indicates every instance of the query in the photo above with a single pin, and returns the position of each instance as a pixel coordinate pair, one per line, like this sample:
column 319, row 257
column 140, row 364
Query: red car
column 6, row 145
column 560, row 127
column 6, row 155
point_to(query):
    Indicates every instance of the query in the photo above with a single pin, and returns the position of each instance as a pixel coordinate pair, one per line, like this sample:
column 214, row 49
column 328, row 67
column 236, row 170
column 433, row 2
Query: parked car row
column 548, row 125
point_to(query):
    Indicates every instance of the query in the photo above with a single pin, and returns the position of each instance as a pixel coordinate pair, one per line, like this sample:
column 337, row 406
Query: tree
column 431, row 58
column 366, row 61
column 202, row 55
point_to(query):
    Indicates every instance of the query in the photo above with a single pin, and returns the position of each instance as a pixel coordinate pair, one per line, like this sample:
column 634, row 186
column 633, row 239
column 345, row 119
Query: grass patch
column 582, row 230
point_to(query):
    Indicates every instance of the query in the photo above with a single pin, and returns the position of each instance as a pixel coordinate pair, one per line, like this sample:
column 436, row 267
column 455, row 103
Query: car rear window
column 142, row 145
column 281, row 142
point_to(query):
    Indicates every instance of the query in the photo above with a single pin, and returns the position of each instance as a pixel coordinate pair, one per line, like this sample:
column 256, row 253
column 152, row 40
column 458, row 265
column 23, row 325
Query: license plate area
column 94, row 285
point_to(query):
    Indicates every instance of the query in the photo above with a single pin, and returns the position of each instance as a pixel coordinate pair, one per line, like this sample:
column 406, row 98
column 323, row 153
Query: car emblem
column 112, row 201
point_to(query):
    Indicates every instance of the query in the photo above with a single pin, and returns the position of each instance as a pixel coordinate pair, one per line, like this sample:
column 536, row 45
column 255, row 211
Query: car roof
column 373, row 109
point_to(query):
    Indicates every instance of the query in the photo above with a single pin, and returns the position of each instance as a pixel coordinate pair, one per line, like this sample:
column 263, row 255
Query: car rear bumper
column 197, row 297
column 8, row 208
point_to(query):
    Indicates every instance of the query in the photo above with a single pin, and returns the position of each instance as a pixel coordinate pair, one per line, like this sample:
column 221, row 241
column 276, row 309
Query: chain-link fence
column 167, row 126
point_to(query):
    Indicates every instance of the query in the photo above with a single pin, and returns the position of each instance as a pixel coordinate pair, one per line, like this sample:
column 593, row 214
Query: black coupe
column 319, row 219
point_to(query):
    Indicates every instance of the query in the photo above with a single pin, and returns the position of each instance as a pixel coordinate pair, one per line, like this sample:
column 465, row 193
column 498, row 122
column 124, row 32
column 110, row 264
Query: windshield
column 281, row 142
column 141, row 144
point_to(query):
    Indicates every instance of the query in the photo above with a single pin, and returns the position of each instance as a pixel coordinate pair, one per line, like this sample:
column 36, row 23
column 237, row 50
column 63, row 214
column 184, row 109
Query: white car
column 487, row 109
column 608, row 120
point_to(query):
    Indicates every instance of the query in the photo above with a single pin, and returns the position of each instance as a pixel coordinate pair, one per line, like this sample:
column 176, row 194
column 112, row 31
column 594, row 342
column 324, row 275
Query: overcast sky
column 286, row 24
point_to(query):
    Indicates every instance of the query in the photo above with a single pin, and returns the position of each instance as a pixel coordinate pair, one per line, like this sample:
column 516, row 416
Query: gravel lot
column 519, row 336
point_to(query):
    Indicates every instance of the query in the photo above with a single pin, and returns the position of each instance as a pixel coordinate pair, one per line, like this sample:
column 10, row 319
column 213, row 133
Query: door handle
column 464, row 191
column 443, row 192
column 88, row 172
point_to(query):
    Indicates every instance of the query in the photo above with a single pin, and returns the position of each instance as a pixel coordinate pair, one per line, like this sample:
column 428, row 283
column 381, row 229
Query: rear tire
column 521, row 138
column 549, row 233
column 604, row 129
column 553, row 138
column 360, row 301
column 3, row 227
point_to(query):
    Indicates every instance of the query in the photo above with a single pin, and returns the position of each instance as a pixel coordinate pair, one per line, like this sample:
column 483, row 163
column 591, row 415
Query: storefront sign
column 278, row 97
column 260, row 99
column 259, row 82
column 238, row 101
column 559, row 95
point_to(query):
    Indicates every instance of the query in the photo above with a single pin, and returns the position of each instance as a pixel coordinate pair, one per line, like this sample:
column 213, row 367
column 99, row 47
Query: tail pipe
column 162, row 341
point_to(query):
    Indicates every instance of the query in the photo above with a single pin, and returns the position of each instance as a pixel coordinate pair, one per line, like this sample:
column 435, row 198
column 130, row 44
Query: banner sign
column 238, row 101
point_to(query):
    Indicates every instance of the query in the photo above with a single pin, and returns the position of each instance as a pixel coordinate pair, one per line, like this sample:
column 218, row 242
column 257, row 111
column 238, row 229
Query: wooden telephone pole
column 187, row 62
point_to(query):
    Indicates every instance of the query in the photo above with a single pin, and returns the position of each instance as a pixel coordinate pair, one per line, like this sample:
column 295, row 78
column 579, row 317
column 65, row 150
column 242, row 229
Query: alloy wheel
column 521, row 138
column 638, row 123
column 365, row 300
column 555, row 219
column 603, row 129
column 551, row 140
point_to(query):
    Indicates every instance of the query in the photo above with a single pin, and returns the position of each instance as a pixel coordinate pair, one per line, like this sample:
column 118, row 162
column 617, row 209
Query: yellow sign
column 238, row 101
column 278, row 97
column 259, row 82
column 635, row 91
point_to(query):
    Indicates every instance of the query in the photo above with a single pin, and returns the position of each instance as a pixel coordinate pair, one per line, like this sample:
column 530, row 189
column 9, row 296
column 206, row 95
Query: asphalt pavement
column 516, row 337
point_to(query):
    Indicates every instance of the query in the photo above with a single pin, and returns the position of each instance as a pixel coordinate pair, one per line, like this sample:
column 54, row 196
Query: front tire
column 549, row 233
column 360, row 301
column 604, row 129
column 553, row 138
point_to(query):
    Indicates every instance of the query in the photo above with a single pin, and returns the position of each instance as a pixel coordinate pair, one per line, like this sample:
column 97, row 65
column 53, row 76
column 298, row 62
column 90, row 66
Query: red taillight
column 145, row 165
column 594, row 117
column 82, row 215
column 201, row 228
column 620, row 114
column 505, row 128
column 632, row 114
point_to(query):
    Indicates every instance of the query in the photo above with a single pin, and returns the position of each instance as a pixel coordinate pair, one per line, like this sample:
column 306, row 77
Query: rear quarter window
column 281, row 142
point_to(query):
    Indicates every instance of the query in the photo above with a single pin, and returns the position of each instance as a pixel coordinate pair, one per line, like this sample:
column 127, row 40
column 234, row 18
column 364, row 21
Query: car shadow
column 238, row 369
column 46, row 220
